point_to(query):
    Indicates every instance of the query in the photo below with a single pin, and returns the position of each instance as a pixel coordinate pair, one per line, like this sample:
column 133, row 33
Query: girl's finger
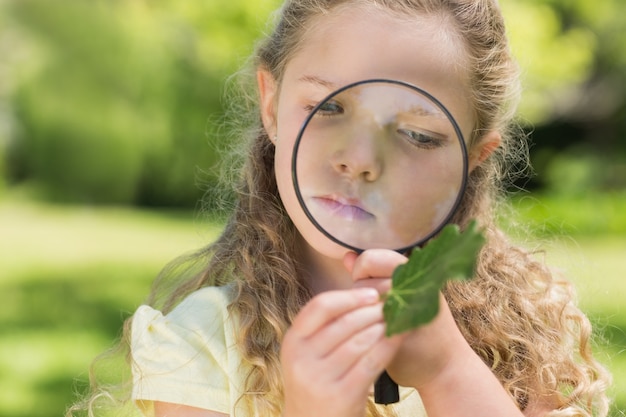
column 328, row 306
column 325, row 341
column 376, row 263
column 383, row 285
column 340, row 361
column 348, row 261
column 371, row 364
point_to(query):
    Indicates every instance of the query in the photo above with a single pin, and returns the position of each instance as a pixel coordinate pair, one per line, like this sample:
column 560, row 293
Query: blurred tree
column 116, row 106
column 555, row 60
column 82, row 115
column 574, row 61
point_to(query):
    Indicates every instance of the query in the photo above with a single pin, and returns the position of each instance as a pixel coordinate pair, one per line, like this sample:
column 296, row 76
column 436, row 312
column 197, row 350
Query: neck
column 325, row 273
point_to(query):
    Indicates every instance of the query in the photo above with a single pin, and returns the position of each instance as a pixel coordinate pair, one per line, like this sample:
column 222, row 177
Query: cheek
column 282, row 168
column 313, row 237
column 288, row 127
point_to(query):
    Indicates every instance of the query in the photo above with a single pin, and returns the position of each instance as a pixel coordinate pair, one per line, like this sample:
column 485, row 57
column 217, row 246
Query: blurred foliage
column 578, row 214
column 574, row 65
column 110, row 101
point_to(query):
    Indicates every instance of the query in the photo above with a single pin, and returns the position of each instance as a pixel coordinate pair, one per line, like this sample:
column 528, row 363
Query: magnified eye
column 328, row 108
column 424, row 140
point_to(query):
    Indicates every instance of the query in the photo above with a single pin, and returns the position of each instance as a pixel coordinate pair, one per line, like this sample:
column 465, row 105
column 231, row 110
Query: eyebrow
column 312, row 79
column 420, row 110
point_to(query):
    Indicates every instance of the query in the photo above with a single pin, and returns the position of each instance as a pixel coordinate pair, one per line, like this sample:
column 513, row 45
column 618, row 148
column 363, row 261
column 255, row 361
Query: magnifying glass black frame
column 386, row 390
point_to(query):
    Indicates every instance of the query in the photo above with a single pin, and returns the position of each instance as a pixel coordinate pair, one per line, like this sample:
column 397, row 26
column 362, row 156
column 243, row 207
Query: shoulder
column 200, row 321
column 203, row 306
column 198, row 309
column 188, row 356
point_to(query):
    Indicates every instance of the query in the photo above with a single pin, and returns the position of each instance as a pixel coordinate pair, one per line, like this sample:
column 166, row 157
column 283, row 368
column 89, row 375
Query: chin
column 326, row 247
column 316, row 242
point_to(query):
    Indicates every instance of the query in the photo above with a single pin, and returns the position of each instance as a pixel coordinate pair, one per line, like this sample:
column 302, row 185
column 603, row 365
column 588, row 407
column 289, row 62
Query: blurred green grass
column 70, row 275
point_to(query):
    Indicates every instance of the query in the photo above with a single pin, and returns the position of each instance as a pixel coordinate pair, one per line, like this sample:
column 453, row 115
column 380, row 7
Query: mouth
column 348, row 209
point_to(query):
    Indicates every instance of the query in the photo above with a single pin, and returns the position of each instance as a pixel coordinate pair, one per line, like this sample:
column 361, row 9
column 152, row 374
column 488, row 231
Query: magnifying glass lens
column 379, row 164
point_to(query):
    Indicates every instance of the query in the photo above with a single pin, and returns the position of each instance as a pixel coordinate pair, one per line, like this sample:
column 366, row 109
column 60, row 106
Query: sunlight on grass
column 59, row 236
column 597, row 265
column 36, row 359
column 69, row 276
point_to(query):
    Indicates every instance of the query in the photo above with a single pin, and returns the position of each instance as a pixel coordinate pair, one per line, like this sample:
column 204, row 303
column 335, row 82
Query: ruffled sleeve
column 187, row 357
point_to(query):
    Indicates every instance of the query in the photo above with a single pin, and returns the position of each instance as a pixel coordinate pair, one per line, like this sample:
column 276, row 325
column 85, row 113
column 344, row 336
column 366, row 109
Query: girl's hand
column 429, row 351
column 426, row 351
column 333, row 353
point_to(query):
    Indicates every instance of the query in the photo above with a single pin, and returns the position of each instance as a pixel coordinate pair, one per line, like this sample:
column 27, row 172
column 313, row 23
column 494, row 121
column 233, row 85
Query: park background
column 110, row 121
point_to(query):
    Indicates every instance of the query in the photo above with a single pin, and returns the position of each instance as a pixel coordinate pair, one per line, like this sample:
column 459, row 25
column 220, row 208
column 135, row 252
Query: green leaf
column 414, row 296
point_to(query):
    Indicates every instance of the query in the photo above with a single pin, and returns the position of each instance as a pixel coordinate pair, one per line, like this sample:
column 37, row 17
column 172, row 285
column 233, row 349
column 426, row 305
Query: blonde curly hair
column 516, row 314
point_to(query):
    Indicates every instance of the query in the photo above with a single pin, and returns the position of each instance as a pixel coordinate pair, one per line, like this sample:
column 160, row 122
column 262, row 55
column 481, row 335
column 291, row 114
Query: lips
column 348, row 209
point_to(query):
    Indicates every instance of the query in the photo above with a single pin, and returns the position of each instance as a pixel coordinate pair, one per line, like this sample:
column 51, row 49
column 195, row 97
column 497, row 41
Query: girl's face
column 378, row 192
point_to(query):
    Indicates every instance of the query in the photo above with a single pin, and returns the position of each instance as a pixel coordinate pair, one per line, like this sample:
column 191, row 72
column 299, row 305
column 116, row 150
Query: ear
column 483, row 148
column 267, row 96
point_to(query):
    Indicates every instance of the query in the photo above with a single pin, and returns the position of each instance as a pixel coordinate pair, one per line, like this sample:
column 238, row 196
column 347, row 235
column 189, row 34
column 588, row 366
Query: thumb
column 349, row 260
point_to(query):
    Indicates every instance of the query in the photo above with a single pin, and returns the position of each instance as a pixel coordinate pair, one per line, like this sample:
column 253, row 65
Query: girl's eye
column 421, row 139
column 329, row 108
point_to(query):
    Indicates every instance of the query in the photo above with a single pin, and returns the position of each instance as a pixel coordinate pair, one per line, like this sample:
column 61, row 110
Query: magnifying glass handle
column 386, row 390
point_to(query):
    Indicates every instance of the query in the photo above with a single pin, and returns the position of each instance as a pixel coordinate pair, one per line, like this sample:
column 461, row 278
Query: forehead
column 354, row 43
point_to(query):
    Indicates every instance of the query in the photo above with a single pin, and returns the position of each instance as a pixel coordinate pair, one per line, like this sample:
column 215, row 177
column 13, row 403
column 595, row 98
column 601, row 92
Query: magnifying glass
column 380, row 164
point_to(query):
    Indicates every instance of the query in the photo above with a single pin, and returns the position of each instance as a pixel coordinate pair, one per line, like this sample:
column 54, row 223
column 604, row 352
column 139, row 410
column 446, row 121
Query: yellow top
column 190, row 357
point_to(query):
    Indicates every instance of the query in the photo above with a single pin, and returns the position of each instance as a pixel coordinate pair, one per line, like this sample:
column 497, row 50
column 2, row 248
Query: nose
column 359, row 157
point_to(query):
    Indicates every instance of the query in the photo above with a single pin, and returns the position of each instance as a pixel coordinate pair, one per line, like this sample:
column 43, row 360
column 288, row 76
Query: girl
column 281, row 321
